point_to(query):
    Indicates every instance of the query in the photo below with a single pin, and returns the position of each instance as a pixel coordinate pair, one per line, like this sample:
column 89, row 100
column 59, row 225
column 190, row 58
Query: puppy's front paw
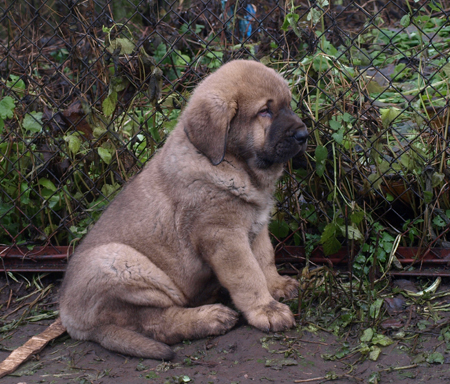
column 274, row 317
column 285, row 287
column 218, row 318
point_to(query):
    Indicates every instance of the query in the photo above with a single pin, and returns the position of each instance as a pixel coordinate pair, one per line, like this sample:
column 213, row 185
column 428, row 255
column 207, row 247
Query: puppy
column 193, row 221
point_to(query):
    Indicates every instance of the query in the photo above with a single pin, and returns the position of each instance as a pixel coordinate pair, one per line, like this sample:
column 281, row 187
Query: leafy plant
column 372, row 138
column 7, row 107
column 376, row 151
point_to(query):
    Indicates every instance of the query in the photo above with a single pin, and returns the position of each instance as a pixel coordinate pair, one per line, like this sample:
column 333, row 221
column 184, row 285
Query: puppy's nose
column 301, row 136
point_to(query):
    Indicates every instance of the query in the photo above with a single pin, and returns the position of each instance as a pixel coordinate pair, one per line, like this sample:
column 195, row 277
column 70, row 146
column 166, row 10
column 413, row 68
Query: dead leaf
column 278, row 364
column 76, row 118
column 392, row 324
column 394, row 304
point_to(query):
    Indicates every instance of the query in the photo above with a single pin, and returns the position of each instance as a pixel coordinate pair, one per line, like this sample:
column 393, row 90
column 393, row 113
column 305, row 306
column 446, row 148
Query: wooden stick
column 31, row 347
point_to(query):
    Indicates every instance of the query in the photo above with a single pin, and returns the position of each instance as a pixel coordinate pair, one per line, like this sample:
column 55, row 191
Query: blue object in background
column 249, row 17
column 244, row 24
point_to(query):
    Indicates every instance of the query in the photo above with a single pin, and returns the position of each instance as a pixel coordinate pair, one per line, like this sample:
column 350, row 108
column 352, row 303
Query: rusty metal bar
column 39, row 259
column 54, row 259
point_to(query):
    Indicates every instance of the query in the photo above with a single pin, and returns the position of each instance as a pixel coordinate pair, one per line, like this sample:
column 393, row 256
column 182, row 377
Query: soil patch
column 304, row 355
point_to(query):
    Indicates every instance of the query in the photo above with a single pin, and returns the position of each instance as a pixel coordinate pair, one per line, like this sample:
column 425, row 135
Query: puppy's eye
column 265, row 112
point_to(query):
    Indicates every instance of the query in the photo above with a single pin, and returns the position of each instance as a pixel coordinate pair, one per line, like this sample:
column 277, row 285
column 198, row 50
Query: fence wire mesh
column 90, row 89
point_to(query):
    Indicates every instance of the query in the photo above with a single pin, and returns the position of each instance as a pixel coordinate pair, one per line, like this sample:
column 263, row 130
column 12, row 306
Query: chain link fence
column 90, row 89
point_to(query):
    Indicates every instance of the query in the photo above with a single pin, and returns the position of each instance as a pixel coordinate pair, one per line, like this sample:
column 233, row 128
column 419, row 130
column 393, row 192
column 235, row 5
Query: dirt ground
column 244, row 355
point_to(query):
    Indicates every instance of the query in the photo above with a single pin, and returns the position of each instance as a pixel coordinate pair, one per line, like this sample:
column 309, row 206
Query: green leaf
column 291, row 20
column 338, row 137
column 183, row 59
column 405, row 20
column 160, row 52
column 439, row 222
column 118, row 83
column 74, row 142
column 126, row 46
column 374, row 353
column 105, row 154
column 7, row 107
column 169, row 125
column 367, row 335
column 375, row 308
column 331, row 246
column 374, row 87
column 154, row 131
column 375, row 180
column 381, row 255
column 329, row 231
column 108, row 189
column 25, row 193
column 109, row 104
column 382, row 340
column 320, row 63
column 427, row 197
column 286, row 23
column 401, row 71
column 446, row 69
column 46, row 183
column 32, row 122
column 314, row 15
column 279, row 228
column 388, row 115
column 347, row 117
column 53, row 201
column 437, row 179
column 321, row 153
column 17, row 83
column 407, row 161
column 98, row 131
column 374, row 378
column 151, row 375
column 352, row 232
column 357, row 217
column 435, row 357
column 423, row 324
column 320, row 169
column 336, row 125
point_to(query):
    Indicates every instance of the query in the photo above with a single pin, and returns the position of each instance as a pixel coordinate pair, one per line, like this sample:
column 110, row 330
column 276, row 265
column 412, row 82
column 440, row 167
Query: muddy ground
column 303, row 355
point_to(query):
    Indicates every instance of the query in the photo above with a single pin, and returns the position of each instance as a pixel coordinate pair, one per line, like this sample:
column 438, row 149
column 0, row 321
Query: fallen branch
column 390, row 369
column 31, row 347
column 328, row 377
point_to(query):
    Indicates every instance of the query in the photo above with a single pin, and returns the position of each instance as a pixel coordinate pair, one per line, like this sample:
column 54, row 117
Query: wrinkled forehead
column 266, row 84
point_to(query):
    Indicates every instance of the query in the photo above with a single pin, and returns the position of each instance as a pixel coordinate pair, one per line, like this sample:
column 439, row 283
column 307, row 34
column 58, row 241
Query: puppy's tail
column 131, row 343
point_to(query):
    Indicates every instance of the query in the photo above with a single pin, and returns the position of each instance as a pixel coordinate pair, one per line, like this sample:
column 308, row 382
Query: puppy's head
column 244, row 109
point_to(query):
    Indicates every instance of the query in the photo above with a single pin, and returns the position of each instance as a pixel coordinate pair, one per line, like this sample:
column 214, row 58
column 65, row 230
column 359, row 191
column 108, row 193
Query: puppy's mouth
column 283, row 151
column 293, row 144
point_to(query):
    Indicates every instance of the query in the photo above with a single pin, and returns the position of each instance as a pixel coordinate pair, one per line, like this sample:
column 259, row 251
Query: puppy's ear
column 206, row 122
